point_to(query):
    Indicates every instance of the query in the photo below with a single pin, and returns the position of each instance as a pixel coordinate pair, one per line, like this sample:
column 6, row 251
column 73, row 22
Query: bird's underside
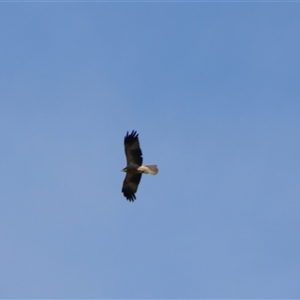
column 134, row 169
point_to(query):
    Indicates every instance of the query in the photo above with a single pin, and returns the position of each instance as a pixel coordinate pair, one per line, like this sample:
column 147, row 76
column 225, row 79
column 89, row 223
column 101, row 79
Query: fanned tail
column 151, row 169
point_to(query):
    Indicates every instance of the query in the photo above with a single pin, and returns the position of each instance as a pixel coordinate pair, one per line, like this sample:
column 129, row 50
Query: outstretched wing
column 130, row 185
column 133, row 151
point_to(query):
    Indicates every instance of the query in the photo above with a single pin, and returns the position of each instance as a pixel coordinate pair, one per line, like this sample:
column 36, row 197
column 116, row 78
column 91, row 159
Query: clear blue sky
column 212, row 89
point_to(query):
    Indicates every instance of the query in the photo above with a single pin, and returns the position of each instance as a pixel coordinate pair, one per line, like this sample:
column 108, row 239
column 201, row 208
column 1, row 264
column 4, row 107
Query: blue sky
column 212, row 89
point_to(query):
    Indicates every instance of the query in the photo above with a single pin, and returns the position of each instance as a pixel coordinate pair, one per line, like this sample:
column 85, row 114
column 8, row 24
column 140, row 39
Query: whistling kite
column 134, row 169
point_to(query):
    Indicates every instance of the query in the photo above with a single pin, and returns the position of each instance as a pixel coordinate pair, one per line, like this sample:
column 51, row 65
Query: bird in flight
column 134, row 168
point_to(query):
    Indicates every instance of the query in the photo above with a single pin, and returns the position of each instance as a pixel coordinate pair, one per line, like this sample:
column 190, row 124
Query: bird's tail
column 151, row 170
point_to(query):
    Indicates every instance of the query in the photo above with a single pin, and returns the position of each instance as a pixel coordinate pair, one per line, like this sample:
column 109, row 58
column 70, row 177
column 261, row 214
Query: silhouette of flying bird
column 134, row 168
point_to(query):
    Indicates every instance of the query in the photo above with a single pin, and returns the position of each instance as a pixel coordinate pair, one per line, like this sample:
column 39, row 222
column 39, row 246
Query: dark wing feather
column 133, row 151
column 130, row 184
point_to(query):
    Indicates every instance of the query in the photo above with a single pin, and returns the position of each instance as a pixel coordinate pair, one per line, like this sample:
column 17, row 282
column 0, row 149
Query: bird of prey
column 134, row 168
